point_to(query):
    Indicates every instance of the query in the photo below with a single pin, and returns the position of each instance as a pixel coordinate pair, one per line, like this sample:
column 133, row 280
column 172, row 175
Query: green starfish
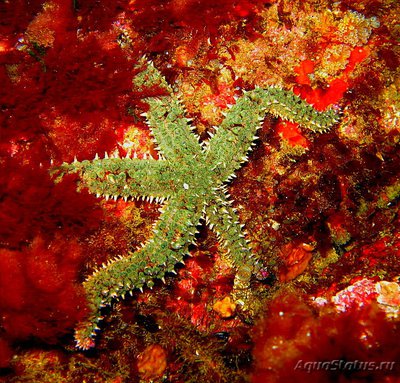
column 191, row 177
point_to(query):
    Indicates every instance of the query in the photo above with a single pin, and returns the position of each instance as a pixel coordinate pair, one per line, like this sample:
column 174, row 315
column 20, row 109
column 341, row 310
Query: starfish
column 191, row 178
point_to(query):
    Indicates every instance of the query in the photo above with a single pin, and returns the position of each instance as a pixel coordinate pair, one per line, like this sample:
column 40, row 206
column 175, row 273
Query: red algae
column 5, row 353
column 33, row 205
column 152, row 362
column 199, row 287
column 295, row 342
column 291, row 133
column 295, row 258
column 41, row 298
column 202, row 17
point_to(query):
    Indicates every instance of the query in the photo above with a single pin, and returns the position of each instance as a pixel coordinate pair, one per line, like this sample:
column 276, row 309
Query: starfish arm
column 222, row 218
column 166, row 119
column 233, row 139
column 288, row 106
column 172, row 235
column 124, row 177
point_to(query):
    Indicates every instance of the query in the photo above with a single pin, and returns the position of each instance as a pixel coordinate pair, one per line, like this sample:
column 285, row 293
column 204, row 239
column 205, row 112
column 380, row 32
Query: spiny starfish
column 191, row 177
